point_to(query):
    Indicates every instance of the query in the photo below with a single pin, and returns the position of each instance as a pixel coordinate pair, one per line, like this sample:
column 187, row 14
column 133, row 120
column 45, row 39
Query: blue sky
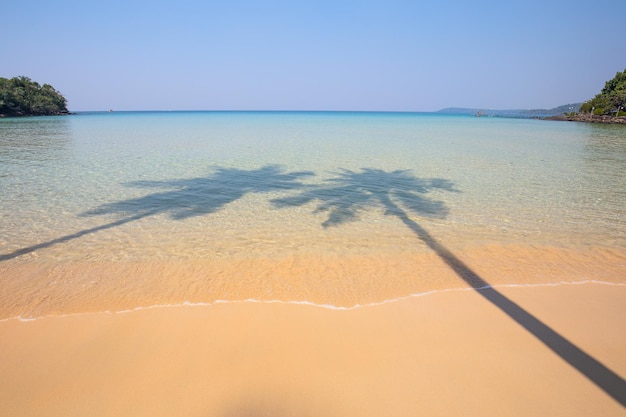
column 315, row 55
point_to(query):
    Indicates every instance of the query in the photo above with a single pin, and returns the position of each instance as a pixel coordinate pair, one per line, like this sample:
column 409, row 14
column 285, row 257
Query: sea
column 111, row 211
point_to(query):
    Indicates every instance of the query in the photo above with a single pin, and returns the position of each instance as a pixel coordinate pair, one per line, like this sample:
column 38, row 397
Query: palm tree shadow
column 191, row 197
column 352, row 192
column 184, row 198
column 400, row 193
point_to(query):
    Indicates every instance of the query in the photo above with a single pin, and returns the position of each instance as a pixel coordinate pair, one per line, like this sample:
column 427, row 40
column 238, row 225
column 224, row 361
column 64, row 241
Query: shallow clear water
column 188, row 186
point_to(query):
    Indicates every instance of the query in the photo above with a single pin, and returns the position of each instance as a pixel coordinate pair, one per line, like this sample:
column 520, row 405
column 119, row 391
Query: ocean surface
column 111, row 211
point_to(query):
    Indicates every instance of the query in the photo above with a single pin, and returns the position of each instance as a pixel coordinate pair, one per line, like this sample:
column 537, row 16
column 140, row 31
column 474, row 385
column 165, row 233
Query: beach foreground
column 444, row 353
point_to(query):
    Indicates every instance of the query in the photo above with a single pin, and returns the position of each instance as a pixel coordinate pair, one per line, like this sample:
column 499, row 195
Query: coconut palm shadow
column 184, row 198
column 400, row 193
column 351, row 192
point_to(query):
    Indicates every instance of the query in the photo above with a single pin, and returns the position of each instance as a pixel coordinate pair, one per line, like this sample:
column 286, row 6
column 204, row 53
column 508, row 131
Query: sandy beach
column 440, row 354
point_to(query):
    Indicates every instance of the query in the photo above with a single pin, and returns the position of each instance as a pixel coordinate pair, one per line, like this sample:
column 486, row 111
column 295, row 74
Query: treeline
column 611, row 100
column 21, row 96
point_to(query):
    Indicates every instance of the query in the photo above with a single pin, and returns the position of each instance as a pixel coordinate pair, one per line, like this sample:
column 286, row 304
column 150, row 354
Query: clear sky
column 387, row 55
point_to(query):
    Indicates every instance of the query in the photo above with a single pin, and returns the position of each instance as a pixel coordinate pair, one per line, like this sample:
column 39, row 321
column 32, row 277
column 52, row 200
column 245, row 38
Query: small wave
column 318, row 305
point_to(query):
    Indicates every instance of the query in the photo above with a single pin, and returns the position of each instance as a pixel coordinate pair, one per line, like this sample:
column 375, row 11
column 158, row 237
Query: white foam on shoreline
column 312, row 304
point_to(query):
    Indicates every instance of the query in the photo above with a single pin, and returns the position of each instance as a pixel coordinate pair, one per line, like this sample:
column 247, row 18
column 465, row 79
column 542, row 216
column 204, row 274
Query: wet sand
column 37, row 288
column 441, row 354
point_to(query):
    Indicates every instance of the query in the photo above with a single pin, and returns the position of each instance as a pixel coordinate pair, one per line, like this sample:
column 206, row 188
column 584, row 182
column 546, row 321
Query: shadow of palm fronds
column 351, row 192
column 184, row 198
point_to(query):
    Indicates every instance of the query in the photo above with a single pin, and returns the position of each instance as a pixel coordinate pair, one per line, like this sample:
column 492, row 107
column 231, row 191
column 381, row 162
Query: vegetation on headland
column 608, row 106
column 611, row 101
column 21, row 96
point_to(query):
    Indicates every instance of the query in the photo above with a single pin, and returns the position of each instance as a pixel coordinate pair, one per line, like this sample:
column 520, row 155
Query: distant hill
column 566, row 108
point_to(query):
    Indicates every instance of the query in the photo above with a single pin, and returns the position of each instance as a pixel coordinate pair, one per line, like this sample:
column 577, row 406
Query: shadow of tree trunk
column 67, row 238
column 595, row 371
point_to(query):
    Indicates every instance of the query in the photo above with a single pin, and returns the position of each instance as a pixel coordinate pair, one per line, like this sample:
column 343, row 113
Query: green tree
column 612, row 98
column 21, row 96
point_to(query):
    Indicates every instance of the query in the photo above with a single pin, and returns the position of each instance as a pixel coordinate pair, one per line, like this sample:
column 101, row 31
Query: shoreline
column 450, row 353
column 34, row 289
column 331, row 307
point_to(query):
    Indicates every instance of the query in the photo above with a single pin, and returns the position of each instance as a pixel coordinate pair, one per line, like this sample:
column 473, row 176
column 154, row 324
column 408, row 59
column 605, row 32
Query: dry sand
column 449, row 353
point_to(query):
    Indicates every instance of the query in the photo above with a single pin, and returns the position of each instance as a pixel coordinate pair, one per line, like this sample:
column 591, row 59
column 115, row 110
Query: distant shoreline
column 589, row 118
column 510, row 114
column 22, row 115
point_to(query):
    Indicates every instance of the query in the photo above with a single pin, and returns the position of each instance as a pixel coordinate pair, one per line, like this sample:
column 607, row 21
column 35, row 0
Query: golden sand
column 351, row 334
column 448, row 353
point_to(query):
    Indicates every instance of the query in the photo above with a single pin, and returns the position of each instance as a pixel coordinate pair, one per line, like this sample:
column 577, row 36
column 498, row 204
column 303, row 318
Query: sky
column 356, row 55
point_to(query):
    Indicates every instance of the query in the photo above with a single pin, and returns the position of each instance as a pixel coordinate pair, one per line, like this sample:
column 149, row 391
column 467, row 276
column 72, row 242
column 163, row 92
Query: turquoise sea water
column 147, row 186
